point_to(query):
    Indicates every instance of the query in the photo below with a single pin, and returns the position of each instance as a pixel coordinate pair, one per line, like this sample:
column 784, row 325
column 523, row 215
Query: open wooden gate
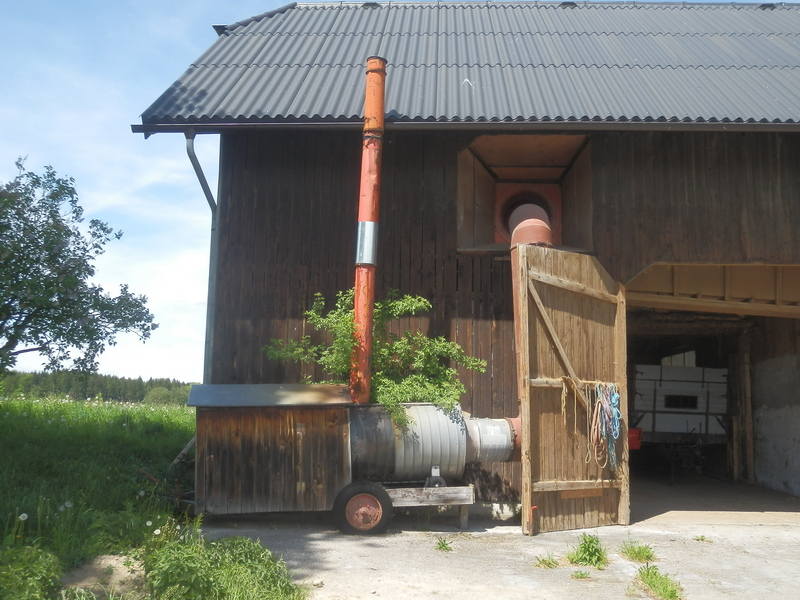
column 571, row 354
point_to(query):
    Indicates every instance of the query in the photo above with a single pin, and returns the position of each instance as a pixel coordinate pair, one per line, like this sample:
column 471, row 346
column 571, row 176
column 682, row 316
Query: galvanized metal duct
column 384, row 452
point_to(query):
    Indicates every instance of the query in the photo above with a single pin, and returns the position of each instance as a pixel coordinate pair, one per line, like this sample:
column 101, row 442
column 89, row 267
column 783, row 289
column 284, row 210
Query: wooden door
column 571, row 356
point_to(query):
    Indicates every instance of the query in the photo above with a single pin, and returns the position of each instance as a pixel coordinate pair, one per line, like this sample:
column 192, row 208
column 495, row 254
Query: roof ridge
column 531, row 33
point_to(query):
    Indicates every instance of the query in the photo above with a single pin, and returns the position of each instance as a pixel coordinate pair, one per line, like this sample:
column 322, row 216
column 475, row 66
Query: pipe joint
column 367, row 243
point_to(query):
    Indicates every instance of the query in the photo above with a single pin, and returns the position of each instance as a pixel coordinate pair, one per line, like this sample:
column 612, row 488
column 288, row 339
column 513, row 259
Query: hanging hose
column 603, row 423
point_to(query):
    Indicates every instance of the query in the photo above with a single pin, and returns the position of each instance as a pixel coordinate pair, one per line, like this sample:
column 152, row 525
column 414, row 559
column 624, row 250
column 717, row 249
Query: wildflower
column 24, row 414
column 23, row 517
column 141, row 493
column 124, row 424
column 157, row 532
column 177, row 527
column 62, row 508
column 149, row 523
column 68, row 504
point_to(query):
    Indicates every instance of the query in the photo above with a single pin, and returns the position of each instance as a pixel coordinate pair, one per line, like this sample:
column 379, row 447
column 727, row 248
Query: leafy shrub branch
column 411, row 367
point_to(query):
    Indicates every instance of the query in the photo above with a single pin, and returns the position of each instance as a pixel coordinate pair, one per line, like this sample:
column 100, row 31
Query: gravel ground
column 717, row 540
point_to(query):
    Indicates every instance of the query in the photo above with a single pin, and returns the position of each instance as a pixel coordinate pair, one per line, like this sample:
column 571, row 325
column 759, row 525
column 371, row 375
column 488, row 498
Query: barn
column 662, row 140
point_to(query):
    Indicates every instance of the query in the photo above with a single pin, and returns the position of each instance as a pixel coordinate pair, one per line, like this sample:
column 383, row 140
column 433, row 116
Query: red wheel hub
column 363, row 511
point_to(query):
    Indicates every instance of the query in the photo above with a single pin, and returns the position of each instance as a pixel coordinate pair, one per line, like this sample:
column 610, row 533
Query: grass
column 545, row 562
column 589, row 552
column 702, row 538
column 580, row 575
column 443, row 545
column 662, row 586
column 638, row 552
column 73, row 488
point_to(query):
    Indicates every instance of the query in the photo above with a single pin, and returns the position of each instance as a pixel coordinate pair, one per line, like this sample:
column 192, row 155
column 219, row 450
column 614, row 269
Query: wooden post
column 519, row 262
column 621, row 377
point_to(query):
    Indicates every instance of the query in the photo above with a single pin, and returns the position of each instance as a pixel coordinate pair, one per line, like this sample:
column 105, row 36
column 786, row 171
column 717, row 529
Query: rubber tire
column 376, row 493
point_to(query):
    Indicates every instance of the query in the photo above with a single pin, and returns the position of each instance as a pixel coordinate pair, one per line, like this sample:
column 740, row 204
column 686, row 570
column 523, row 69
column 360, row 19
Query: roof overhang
column 500, row 126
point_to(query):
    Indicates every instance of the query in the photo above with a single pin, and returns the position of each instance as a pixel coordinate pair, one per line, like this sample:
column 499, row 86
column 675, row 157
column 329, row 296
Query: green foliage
column 405, row 368
column 180, row 564
column 580, row 575
column 46, row 262
column 589, row 552
column 73, row 468
column 28, row 573
column 80, row 385
column 443, row 545
column 663, row 586
column 161, row 395
column 638, row 552
column 546, row 562
column 702, row 538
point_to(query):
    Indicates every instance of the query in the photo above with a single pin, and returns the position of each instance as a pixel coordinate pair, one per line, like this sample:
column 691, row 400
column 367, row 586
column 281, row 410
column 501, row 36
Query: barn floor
column 718, row 540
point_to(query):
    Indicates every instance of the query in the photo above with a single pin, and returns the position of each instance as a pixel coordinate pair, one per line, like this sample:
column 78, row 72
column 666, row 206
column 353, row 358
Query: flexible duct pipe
column 367, row 242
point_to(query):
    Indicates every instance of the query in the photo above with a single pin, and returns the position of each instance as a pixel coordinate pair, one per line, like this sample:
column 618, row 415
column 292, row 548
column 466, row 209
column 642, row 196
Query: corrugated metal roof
column 499, row 62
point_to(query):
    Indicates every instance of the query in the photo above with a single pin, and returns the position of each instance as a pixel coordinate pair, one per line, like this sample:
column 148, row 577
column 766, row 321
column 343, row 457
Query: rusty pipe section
column 367, row 240
column 530, row 224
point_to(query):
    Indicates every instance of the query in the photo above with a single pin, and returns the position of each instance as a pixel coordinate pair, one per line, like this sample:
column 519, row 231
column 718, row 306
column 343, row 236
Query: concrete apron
column 716, row 539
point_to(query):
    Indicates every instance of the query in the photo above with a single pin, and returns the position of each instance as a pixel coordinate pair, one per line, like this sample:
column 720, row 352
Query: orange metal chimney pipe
column 367, row 242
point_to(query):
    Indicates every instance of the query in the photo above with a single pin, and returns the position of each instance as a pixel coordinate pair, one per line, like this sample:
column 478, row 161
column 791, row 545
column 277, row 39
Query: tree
column 47, row 301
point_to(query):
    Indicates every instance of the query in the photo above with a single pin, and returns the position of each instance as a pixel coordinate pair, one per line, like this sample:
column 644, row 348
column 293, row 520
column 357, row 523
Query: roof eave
column 563, row 125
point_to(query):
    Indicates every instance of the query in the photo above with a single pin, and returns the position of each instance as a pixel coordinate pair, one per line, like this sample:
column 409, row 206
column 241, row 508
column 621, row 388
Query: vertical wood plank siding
column 270, row 459
column 287, row 219
column 695, row 197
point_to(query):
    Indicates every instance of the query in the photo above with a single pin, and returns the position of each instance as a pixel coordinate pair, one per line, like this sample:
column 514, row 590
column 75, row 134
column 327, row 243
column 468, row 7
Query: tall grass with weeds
column 589, row 552
column 72, row 485
column 661, row 585
column 637, row 552
column 180, row 564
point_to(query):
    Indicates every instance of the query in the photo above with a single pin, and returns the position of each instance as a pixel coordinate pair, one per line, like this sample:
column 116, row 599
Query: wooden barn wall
column 287, row 222
column 694, row 197
column 252, row 460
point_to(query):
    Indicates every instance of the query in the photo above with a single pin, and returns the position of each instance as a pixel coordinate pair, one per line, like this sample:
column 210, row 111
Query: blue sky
column 75, row 76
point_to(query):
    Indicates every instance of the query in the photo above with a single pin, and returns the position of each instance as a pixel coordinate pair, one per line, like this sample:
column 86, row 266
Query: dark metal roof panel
column 499, row 62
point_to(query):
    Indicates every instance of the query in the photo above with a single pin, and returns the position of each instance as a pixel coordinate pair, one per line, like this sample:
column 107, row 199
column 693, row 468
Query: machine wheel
column 362, row 508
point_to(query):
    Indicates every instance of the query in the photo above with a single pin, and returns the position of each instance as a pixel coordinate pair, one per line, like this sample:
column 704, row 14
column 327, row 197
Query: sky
column 75, row 76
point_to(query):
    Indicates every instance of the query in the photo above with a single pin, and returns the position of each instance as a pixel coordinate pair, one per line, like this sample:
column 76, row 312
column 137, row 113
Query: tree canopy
column 48, row 303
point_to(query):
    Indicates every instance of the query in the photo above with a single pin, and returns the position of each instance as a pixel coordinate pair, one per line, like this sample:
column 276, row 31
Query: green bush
column 28, row 573
column 405, row 368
